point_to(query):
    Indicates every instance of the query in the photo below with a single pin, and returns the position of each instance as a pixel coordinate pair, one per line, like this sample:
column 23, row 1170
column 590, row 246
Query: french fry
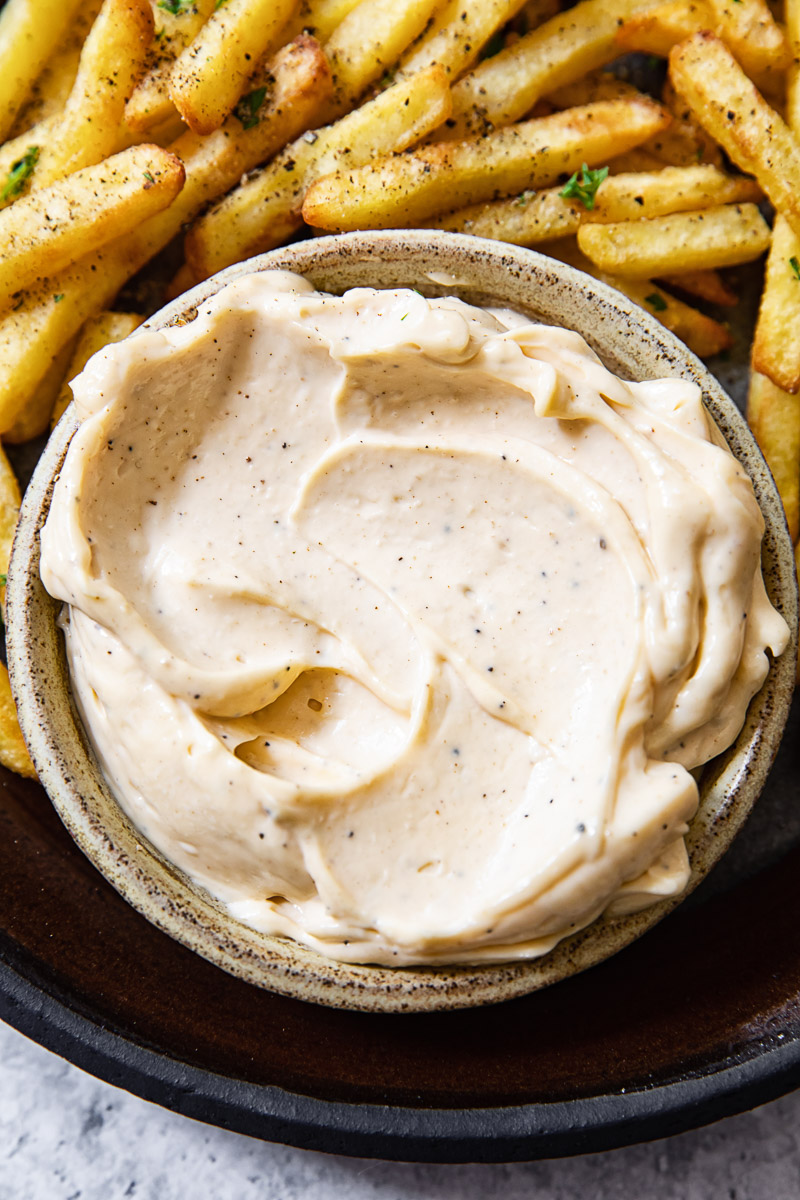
column 713, row 237
column 658, row 29
column 13, row 751
column 30, row 33
column 9, row 511
column 266, row 209
column 793, row 73
column 150, row 104
column 774, row 417
column 237, row 34
column 458, row 33
column 703, row 335
column 754, row 37
column 690, row 140
column 35, row 417
column 52, row 87
column 547, row 215
column 319, row 18
column 369, row 41
column 633, row 161
column 112, row 59
column 409, row 188
column 729, row 106
column 299, row 84
column 776, row 346
column 705, row 285
column 504, row 88
column 47, row 230
column 597, row 85
column 98, row 332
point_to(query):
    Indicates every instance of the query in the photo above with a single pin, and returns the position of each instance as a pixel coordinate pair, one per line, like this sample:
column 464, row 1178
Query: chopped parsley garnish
column 656, row 302
column 585, row 190
column 524, row 199
column 20, row 171
column 3, row 580
column 149, row 177
column 58, row 297
column 176, row 7
column 246, row 110
column 795, row 265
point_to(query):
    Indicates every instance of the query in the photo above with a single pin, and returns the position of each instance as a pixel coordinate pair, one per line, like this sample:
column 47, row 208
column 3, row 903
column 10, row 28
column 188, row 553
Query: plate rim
column 396, row 1133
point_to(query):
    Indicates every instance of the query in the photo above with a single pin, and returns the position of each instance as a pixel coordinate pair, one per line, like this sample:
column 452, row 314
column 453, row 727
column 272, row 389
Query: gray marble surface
column 67, row 1136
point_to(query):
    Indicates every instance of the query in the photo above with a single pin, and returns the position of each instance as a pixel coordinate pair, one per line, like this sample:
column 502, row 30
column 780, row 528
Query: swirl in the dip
column 399, row 625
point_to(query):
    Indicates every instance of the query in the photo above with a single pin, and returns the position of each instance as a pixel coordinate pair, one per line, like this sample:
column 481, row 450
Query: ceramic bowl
column 630, row 342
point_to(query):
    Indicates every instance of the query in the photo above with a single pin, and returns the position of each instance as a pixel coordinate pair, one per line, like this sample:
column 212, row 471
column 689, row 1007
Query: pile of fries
column 230, row 126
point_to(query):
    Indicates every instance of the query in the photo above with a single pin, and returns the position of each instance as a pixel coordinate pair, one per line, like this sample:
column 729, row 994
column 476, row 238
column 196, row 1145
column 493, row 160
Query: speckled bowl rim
column 630, row 341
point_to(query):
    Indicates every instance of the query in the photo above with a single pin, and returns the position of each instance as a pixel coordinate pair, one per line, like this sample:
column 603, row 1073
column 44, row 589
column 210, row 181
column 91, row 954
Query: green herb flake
column 176, row 7
column 219, row 4
column 586, row 190
column 3, row 580
column 656, row 302
column 795, row 265
column 404, row 316
column 148, row 177
column 58, row 297
column 246, row 110
column 525, row 199
column 20, row 171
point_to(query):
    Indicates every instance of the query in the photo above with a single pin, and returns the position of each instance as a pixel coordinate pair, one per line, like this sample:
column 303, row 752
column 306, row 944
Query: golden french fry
column 597, row 85
column 9, row 511
column 703, row 335
column 150, row 104
column 409, row 188
column 792, row 15
column 774, row 417
column 30, row 33
column 546, row 215
column 51, row 89
column 729, row 106
column 634, row 161
column 776, row 346
column 238, row 34
column 504, row 88
column 98, row 332
column 35, row 417
column 266, row 209
column 112, row 59
column 658, row 29
column 298, row 81
column 13, row 751
column 705, row 285
column 753, row 35
column 47, row 230
column 713, row 237
column 369, row 41
column 459, row 31
column 690, row 142
column 319, row 18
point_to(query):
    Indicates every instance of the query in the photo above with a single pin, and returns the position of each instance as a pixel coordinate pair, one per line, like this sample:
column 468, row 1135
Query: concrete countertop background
column 67, row 1136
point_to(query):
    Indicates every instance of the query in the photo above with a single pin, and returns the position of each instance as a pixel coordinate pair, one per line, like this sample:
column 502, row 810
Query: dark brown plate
column 699, row 1019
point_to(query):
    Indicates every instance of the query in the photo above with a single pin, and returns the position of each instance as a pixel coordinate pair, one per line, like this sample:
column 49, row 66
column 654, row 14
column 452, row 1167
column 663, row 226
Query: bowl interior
column 631, row 343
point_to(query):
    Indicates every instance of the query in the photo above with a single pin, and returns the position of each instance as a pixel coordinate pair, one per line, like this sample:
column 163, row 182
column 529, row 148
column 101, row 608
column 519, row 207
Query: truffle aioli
column 399, row 625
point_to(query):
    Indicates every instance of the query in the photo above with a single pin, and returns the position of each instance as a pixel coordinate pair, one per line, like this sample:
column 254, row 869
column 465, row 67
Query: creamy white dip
column 400, row 625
